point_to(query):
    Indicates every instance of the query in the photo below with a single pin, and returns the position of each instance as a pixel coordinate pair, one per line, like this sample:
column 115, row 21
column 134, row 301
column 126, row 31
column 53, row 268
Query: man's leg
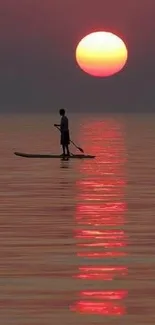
column 63, row 149
column 67, row 148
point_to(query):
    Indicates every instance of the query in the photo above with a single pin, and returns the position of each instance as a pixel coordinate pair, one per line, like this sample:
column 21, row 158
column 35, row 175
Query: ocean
column 77, row 237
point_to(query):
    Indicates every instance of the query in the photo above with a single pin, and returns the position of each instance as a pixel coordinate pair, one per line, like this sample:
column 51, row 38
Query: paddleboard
column 30, row 155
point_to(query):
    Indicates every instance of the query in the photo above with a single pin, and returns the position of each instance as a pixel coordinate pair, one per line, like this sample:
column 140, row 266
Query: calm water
column 77, row 238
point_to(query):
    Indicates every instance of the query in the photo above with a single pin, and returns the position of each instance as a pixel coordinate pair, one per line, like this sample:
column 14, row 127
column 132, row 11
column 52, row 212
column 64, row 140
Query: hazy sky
column 37, row 59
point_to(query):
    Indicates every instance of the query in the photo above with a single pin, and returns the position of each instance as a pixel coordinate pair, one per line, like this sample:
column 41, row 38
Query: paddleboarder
column 64, row 129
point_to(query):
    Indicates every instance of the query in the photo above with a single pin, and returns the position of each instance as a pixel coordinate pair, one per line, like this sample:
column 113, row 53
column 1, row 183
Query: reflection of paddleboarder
column 64, row 128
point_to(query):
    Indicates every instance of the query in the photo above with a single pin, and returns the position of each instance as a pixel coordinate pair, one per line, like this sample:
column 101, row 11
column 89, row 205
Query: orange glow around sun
column 101, row 54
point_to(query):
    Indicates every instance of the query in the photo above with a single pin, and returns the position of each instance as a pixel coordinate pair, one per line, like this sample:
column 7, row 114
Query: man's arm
column 60, row 125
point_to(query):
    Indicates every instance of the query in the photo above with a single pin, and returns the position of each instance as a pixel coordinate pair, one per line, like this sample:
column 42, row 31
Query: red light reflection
column 107, row 273
column 109, row 295
column 100, row 217
column 101, row 214
column 101, row 308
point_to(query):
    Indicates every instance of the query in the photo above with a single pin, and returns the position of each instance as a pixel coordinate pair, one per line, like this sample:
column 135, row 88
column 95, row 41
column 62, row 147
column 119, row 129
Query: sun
column 101, row 54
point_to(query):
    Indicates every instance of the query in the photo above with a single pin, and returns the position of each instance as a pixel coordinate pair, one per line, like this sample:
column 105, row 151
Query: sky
column 38, row 70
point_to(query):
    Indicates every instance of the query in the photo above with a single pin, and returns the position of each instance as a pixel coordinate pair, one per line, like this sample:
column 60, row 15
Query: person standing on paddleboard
column 64, row 129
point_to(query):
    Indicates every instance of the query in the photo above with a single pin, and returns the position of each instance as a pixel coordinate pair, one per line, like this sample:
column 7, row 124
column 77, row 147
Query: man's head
column 62, row 112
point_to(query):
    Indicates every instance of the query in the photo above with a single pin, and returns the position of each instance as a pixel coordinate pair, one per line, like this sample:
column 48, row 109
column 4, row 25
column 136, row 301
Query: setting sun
column 101, row 54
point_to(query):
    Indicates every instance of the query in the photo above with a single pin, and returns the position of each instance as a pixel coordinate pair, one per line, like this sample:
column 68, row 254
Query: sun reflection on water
column 100, row 216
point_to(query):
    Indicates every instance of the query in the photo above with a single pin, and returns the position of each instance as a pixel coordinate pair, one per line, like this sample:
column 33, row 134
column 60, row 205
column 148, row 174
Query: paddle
column 80, row 149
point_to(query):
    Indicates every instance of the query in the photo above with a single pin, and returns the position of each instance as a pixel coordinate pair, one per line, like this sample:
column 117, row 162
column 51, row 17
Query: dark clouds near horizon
column 38, row 71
